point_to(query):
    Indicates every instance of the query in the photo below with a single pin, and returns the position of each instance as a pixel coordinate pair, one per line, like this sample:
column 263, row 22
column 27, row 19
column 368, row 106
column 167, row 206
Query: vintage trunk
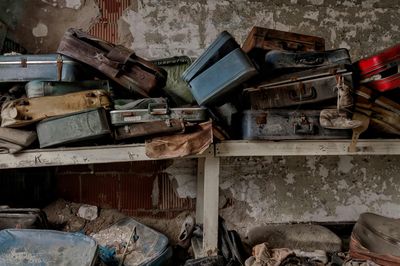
column 25, row 111
column 52, row 67
column 376, row 238
column 219, row 70
column 381, row 71
column 166, row 127
column 76, row 127
column 298, row 88
column 22, row 218
column 115, row 61
column 39, row 88
column 157, row 113
column 285, row 61
column 270, row 39
column 283, row 124
column 176, row 88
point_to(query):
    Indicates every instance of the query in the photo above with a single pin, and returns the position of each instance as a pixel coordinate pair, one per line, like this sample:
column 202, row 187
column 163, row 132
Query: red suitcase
column 381, row 71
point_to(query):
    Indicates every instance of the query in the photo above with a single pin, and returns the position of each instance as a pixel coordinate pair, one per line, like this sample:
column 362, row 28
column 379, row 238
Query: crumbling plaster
column 253, row 189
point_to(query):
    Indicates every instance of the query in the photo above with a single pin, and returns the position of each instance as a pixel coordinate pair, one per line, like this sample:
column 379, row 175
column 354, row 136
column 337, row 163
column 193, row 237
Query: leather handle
column 310, row 60
column 302, row 93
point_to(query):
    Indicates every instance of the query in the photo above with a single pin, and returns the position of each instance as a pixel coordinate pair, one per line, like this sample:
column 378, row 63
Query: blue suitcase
column 51, row 67
column 219, row 70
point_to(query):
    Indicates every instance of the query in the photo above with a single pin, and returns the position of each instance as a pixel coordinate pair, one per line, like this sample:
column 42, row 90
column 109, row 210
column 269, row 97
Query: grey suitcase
column 76, row 127
column 169, row 126
column 299, row 88
column 39, row 88
column 22, row 218
column 283, row 124
column 54, row 67
column 158, row 113
column 220, row 69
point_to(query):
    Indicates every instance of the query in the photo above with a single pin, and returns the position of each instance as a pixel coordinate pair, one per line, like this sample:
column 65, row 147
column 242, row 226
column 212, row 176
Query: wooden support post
column 200, row 191
column 210, row 207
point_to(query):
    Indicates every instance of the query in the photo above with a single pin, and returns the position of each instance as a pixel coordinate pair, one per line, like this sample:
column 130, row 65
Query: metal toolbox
column 40, row 88
column 218, row 70
column 76, row 127
column 54, row 67
column 169, row 126
column 298, row 88
column 157, row 112
column 283, row 124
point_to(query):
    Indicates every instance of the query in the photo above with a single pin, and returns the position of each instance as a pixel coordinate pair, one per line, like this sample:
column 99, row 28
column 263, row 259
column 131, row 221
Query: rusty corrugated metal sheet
column 107, row 26
column 126, row 187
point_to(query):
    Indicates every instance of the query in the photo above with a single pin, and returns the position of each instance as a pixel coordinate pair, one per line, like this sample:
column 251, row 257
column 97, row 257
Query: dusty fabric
column 22, row 112
column 13, row 140
column 181, row 145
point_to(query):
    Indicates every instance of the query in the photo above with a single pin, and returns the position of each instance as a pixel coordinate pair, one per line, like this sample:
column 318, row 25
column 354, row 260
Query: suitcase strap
column 365, row 120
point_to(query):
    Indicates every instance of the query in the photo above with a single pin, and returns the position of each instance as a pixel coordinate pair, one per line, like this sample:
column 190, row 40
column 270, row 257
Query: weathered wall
column 253, row 189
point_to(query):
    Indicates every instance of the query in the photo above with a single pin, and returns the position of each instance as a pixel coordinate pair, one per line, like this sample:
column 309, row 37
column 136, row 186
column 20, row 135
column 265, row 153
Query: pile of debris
column 278, row 85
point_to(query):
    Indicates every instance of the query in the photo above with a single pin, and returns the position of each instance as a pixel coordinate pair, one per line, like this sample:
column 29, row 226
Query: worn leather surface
column 376, row 238
column 180, row 145
column 24, row 111
column 115, row 61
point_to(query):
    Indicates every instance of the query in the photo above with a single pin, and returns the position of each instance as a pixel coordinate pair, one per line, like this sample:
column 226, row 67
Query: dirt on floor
column 63, row 215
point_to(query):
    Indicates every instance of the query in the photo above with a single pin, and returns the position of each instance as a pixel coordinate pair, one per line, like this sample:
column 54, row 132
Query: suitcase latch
column 163, row 109
column 303, row 125
column 59, row 67
column 24, row 62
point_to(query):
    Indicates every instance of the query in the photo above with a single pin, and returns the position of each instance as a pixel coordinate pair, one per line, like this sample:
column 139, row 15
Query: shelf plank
column 80, row 155
column 306, row 148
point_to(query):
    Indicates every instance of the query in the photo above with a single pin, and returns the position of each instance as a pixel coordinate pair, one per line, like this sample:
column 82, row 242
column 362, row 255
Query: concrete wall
column 253, row 189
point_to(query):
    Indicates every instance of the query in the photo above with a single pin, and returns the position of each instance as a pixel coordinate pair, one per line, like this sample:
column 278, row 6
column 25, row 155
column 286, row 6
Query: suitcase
column 298, row 88
column 283, row 124
column 39, row 88
column 155, row 113
column 176, row 88
column 115, row 61
column 22, row 218
column 381, row 71
column 269, row 39
column 285, row 61
column 13, row 140
column 52, row 67
column 127, row 104
column 218, row 71
column 75, row 127
column 166, row 127
column 46, row 247
column 25, row 111
column 376, row 238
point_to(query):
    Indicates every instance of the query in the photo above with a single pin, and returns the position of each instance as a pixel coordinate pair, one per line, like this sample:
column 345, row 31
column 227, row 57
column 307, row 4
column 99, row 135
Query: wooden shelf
column 80, row 155
column 306, row 147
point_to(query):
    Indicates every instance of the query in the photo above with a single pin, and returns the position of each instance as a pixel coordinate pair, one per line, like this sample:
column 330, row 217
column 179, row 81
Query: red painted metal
column 107, row 26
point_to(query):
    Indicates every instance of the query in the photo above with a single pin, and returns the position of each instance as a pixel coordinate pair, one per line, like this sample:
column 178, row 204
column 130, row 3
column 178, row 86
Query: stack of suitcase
column 276, row 86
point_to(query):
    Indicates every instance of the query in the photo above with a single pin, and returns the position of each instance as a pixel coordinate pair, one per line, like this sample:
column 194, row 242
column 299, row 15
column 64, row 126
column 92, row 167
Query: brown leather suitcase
column 376, row 238
column 115, row 61
column 24, row 111
column 270, row 39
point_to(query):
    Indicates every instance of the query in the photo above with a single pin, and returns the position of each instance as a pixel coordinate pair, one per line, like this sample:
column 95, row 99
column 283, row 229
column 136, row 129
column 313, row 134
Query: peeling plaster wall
column 253, row 189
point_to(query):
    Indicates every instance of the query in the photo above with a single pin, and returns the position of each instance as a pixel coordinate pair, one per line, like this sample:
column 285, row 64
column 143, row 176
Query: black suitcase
column 283, row 124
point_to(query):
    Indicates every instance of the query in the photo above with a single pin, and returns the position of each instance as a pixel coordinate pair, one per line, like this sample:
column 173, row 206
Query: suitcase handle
column 309, row 60
column 303, row 126
column 303, row 93
column 163, row 106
